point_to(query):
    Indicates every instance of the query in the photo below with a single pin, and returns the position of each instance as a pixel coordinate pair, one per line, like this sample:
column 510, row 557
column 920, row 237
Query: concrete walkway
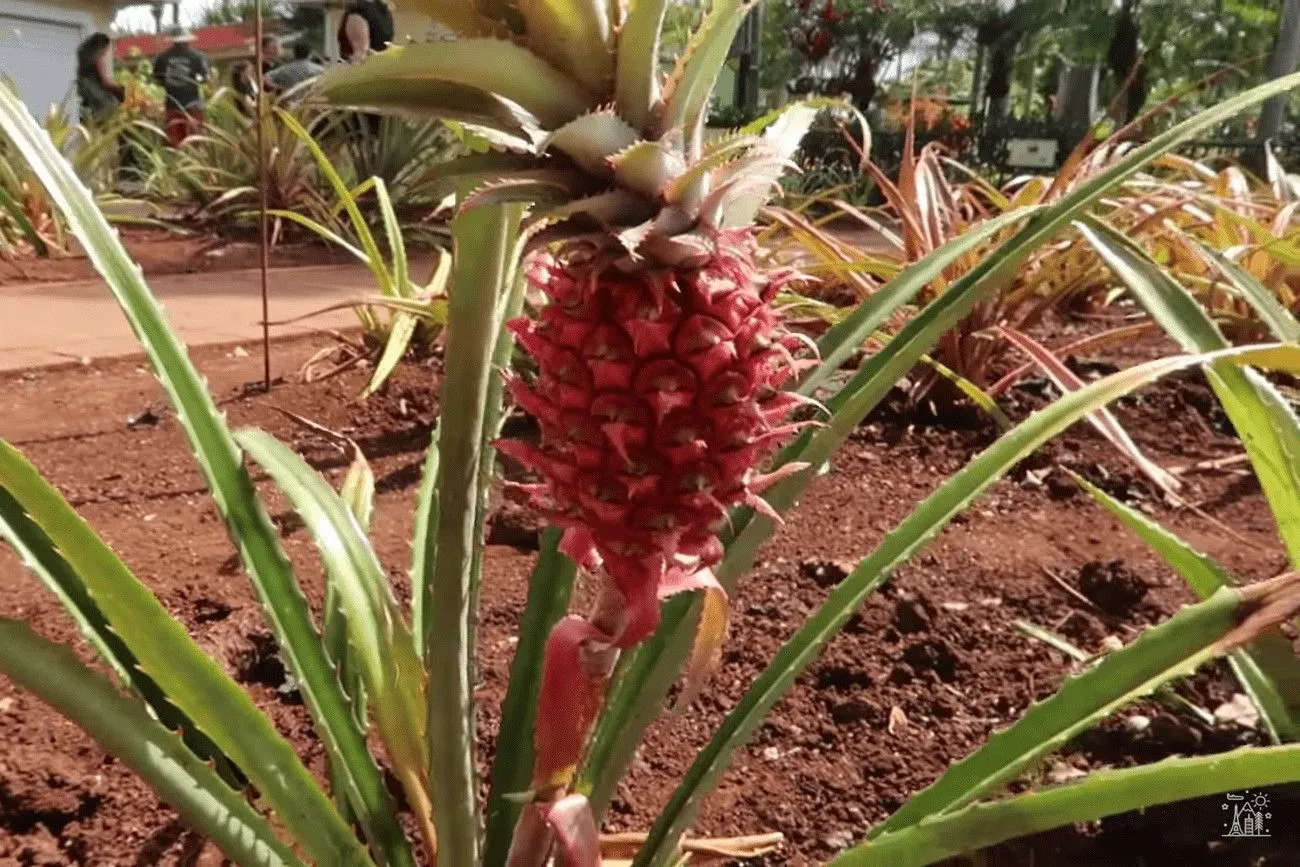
column 49, row 323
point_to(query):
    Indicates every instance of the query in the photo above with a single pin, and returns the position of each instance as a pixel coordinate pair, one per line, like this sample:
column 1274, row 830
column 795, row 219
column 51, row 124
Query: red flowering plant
column 845, row 43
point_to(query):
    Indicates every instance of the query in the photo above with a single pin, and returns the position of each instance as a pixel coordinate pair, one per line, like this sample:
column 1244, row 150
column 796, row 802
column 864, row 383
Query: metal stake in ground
column 259, row 57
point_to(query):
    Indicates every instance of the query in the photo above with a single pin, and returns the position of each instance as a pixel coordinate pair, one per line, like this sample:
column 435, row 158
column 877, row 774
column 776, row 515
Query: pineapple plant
column 660, row 358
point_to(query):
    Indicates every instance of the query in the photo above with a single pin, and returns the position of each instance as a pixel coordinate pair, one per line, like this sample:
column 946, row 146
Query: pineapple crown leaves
column 576, row 90
column 648, row 167
column 534, row 191
column 636, row 87
column 504, row 69
column 591, row 139
column 576, row 36
column 686, row 95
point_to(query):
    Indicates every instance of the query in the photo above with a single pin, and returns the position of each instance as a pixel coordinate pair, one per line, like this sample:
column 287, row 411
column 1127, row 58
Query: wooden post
column 258, row 57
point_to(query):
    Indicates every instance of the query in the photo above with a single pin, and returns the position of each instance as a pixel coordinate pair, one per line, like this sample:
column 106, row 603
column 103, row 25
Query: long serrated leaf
column 846, row 337
column 504, row 69
column 401, row 331
column 322, row 231
column 232, row 489
column 42, row 558
column 424, row 544
column 576, row 36
column 591, row 139
column 408, row 314
column 541, row 193
column 1266, row 424
column 1268, row 668
column 1103, row 419
column 358, row 493
column 379, row 641
column 1271, row 312
column 396, row 245
column 905, row 540
column 482, row 119
column 1102, row 793
column 484, row 264
column 636, row 88
column 19, row 216
column 1175, row 648
column 374, row 259
column 690, row 87
column 190, row 679
column 550, row 587
column 123, row 728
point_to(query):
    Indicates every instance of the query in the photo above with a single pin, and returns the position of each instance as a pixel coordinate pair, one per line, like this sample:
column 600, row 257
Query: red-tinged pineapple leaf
column 1103, row 420
column 710, row 634
column 575, row 829
column 568, row 704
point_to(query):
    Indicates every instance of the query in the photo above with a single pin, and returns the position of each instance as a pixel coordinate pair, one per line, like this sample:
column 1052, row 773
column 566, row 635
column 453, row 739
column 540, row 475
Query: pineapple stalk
column 484, row 252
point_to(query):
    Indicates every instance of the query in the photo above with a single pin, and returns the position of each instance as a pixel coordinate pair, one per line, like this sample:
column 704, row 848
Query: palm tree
column 1285, row 58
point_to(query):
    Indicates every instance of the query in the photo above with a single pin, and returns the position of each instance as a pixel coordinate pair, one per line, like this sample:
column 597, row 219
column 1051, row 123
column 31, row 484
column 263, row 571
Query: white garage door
column 39, row 55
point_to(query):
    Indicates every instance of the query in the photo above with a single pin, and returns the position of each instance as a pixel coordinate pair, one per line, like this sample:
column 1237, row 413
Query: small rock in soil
column 1063, row 773
column 1174, row 734
column 1112, row 587
column 934, row 655
column 1239, row 711
column 145, row 418
column 1137, row 723
column 838, row 840
column 913, row 612
column 1059, row 484
column 851, row 711
column 514, row 525
column 827, row 573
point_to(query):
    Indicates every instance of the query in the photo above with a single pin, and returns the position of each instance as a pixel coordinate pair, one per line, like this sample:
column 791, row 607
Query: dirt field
column 922, row 675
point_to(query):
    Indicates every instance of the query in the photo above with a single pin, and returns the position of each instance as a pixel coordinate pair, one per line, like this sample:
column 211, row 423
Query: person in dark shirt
column 100, row 96
column 97, row 92
column 241, row 81
column 181, row 70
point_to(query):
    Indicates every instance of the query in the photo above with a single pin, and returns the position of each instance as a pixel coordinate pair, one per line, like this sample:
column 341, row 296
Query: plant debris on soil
column 921, row 676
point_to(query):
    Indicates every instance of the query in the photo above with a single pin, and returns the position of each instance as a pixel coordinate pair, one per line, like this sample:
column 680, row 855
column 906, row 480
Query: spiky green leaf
column 905, row 540
column 232, row 489
column 123, row 728
column 419, row 76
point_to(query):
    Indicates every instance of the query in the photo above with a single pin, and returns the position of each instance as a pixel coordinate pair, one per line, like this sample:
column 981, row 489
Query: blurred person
column 98, row 93
column 300, row 69
column 270, row 53
column 366, row 28
column 100, row 97
column 181, row 70
column 244, row 85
